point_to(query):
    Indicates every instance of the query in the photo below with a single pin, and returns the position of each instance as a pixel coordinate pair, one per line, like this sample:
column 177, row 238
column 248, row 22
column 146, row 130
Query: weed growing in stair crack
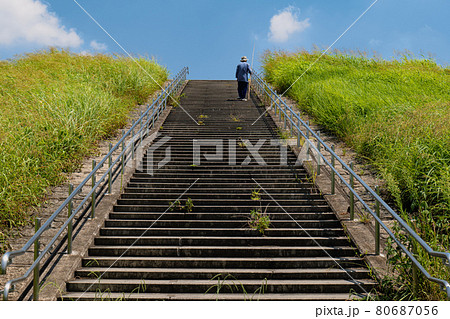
column 259, row 220
column 256, row 194
column 235, row 118
column 229, row 282
column 177, row 205
column 189, row 205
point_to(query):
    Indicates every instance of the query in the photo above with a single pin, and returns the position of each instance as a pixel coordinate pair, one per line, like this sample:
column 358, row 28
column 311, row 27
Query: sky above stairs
column 211, row 36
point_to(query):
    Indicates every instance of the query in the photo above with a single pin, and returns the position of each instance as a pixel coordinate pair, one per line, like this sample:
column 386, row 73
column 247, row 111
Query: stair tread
column 248, row 259
column 212, row 296
column 104, row 281
column 228, row 270
column 226, row 247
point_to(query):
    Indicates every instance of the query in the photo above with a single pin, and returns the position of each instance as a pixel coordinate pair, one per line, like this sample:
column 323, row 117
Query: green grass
column 54, row 107
column 396, row 114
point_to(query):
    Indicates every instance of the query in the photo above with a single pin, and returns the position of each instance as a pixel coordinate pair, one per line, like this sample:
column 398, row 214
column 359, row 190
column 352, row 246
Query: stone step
column 219, row 241
column 222, row 251
column 204, row 286
column 199, row 207
column 139, row 296
column 206, row 201
column 247, row 186
column 234, row 170
column 221, row 262
column 224, row 196
column 209, row 180
column 221, row 232
column 243, row 190
column 211, row 273
column 223, row 216
column 217, row 223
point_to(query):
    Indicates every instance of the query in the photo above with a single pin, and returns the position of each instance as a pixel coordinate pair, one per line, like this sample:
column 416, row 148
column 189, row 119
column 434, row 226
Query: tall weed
column 54, row 107
column 394, row 113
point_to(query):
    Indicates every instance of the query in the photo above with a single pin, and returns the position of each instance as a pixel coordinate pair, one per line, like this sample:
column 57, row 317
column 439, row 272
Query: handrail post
column 123, row 159
column 272, row 98
column 36, row 271
column 141, row 126
column 291, row 122
column 132, row 141
column 352, row 196
column 318, row 153
column 415, row 275
column 165, row 97
column 153, row 118
column 279, row 107
column 307, row 142
column 377, row 224
column 94, row 164
column 110, row 170
column 69, row 227
column 333, row 177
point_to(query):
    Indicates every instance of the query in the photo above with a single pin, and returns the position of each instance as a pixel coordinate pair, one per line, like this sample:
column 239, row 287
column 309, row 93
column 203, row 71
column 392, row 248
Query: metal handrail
column 146, row 121
column 262, row 88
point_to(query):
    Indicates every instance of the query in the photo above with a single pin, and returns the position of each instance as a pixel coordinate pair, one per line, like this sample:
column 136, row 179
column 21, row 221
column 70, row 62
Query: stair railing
column 99, row 188
column 286, row 113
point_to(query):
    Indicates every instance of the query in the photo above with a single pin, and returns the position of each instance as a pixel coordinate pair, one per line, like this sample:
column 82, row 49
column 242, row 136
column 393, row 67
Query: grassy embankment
column 54, row 107
column 396, row 114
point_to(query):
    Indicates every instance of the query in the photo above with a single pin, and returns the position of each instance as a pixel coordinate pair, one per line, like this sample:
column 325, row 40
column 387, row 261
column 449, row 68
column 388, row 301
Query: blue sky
column 211, row 36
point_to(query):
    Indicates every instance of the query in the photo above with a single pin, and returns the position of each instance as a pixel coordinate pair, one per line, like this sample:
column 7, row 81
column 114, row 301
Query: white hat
column 244, row 59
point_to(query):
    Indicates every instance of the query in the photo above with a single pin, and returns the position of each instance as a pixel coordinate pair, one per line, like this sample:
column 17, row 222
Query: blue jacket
column 242, row 71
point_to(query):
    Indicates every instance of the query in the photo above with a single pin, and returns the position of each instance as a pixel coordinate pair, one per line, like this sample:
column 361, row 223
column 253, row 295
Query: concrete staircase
column 148, row 251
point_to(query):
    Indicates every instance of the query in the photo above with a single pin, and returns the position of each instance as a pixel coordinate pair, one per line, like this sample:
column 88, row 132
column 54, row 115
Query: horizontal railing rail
column 286, row 113
column 99, row 187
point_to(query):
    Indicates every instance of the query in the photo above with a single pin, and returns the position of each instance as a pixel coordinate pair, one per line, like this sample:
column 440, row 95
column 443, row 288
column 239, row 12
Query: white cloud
column 29, row 21
column 286, row 23
column 98, row 46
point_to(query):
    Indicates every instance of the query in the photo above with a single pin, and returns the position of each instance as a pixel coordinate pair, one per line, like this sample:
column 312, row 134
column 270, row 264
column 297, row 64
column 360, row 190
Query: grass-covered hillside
column 394, row 113
column 54, row 107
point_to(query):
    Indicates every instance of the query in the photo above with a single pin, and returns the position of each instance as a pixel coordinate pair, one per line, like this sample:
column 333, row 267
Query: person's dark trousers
column 242, row 89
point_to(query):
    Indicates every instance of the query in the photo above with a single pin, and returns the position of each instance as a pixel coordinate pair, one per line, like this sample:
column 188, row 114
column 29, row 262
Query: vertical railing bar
column 298, row 131
column 110, row 170
column 377, row 223
column 318, row 153
column 70, row 226
column 307, row 142
column 333, row 177
column 132, row 142
column 415, row 275
column 352, row 196
column 123, row 159
column 37, row 270
column 94, row 164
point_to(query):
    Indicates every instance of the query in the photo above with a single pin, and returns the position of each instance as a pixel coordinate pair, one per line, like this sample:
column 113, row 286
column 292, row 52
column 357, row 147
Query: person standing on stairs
column 242, row 71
